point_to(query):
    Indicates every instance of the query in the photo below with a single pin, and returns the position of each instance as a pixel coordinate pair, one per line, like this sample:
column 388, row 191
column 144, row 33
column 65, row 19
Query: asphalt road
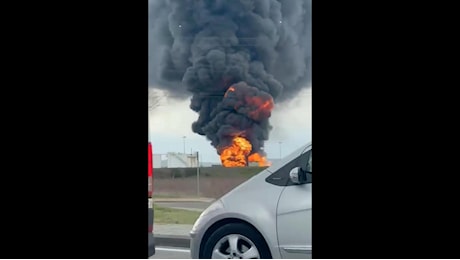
column 162, row 252
column 193, row 205
column 171, row 253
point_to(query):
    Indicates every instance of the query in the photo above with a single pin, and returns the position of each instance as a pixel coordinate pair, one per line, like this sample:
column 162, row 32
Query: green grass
column 166, row 196
column 164, row 215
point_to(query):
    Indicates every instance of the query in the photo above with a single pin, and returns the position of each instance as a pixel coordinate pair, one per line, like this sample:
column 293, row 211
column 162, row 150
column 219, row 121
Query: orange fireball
column 255, row 157
column 235, row 154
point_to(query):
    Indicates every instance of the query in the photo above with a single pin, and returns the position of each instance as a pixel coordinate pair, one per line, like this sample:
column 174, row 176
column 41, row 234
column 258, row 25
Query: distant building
column 157, row 161
column 206, row 164
column 180, row 160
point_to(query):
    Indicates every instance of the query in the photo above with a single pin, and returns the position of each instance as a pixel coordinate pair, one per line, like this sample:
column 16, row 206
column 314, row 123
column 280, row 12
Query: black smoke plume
column 203, row 47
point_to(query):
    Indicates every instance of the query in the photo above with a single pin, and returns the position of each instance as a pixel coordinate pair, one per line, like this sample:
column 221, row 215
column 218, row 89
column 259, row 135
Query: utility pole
column 184, row 142
column 197, row 174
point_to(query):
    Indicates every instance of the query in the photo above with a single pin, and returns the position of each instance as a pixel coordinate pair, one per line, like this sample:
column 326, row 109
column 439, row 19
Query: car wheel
column 236, row 241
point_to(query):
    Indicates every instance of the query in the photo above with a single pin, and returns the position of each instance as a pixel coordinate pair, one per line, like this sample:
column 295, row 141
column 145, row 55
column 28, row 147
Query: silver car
column 268, row 216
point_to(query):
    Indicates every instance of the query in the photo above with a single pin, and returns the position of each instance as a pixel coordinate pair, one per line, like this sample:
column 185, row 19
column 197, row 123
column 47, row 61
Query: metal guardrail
column 172, row 241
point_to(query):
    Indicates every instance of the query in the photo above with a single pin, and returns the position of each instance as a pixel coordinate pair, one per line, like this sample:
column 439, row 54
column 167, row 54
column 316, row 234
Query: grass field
column 187, row 187
column 174, row 216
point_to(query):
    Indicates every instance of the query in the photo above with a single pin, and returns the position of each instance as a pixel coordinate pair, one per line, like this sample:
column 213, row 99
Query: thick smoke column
column 262, row 49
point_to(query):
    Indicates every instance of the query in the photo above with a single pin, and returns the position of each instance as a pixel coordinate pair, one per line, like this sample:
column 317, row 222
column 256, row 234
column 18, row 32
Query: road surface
column 171, row 253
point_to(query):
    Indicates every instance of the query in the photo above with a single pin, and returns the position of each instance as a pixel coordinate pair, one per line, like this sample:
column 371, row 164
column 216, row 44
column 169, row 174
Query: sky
column 172, row 120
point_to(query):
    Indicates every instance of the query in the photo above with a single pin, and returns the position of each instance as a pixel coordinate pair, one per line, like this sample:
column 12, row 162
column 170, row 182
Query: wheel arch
column 226, row 221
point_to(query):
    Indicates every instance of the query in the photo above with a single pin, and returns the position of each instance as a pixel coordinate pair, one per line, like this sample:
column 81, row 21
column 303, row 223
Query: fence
column 212, row 182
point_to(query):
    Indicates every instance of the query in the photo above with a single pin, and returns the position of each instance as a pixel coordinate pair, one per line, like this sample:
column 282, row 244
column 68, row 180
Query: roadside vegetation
column 163, row 215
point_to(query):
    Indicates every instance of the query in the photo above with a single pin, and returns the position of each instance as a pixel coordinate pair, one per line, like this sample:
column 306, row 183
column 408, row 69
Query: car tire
column 246, row 236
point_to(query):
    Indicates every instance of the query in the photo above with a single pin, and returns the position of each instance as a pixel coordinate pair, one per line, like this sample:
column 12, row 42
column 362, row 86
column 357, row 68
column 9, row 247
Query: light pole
column 197, row 174
column 184, row 142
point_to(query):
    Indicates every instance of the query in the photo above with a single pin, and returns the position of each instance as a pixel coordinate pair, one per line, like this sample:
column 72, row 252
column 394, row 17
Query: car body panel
column 258, row 203
column 295, row 207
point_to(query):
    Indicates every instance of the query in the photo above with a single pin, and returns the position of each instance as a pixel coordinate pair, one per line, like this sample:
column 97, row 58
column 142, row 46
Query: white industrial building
column 175, row 160
column 157, row 160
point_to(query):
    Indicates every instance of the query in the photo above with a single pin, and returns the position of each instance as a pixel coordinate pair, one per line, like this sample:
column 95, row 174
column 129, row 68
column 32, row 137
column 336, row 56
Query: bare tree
column 154, row 99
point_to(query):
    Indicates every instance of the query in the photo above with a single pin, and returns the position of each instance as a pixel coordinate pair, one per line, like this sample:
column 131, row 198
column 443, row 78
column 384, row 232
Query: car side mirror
column 298, row 176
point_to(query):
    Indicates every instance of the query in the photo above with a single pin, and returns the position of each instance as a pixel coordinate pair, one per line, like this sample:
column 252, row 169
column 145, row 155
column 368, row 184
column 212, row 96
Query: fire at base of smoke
column 251, row 103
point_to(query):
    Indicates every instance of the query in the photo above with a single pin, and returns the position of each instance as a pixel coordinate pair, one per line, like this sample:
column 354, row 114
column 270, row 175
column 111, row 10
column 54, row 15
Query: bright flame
column 255, row 157
column 231, row 89
column 238, row 153
column 235, row 154
column 263, row 107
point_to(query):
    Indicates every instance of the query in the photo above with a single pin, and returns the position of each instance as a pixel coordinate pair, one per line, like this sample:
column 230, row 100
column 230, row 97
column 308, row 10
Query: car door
column 294, row 217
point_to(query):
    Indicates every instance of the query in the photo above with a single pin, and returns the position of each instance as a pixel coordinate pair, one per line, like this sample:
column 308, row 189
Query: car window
column 281, row 176
column 309, row 169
